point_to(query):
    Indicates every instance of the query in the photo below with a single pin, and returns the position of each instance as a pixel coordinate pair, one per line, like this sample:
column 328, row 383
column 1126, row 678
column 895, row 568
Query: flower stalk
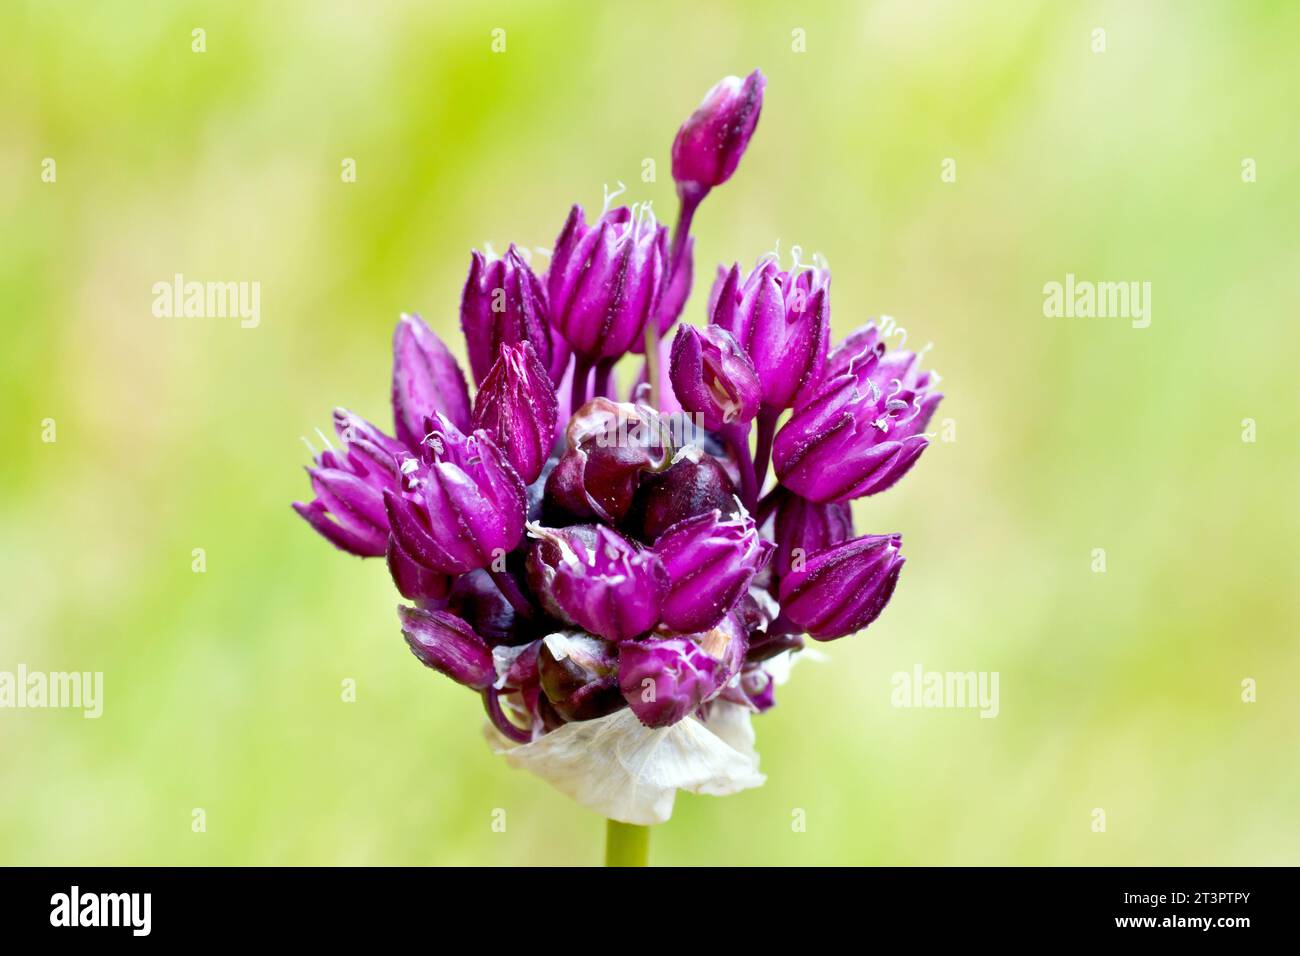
column 626, row 844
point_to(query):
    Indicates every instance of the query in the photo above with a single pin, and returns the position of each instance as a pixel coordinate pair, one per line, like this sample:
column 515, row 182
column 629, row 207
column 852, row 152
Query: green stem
column 626, row 844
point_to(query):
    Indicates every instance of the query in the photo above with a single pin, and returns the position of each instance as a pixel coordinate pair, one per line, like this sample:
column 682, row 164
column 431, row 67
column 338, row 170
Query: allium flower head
column 622, row 583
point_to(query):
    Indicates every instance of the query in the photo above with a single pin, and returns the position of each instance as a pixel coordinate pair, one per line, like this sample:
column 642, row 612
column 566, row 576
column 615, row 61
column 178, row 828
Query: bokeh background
column 1119, row 690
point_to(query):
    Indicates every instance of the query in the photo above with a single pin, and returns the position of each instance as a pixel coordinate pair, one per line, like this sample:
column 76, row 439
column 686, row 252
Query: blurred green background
column 1119, row 690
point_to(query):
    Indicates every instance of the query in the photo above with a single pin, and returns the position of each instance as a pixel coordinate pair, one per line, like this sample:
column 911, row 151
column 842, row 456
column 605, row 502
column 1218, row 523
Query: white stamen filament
column 611, row 196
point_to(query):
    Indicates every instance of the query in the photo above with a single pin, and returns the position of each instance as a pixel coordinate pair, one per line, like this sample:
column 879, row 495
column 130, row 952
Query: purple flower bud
column 518, row 690
column 480, row 602
column 367, row 452
column 462, row 506
column 858, row 434
column 614, row 589
column 710, row 563
column 448, row 645
column 516, row 405
column 755, row 689
column 604, row 281
column 758, row 687
column 414, row 582
column 610, row 446
column 710, row 143
column 712, row 375
column 783, row 323
column 803, row 526
column 358, row 527
column 862, row 342
column 843, row 588
column 579, row 674
column 667, row 679
column 504, row 303
column 685, row 489
column 426, row 381
column 546, row 553
column 347, row 482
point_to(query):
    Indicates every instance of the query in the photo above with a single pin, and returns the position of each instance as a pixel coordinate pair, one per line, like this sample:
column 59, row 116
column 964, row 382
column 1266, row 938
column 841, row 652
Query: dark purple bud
column 414, row 582
column 480, row 602
column 426, row 381
column 782, row 321
column 770, row 632
column 843, row 588
column 710, row 143
column 448, row 645
column 712, row 376
column 565, row 496
column 710, row 563
column 604, row 280
column 803, row 526
column 856, row 436
column 610, row 447
column 667, row 679
column 504, row 303
column 579, row 674
column 516, row 405
column 614, row 589
column 463, row 507
column 685, row 489
column 767, row 644
column 544, row 556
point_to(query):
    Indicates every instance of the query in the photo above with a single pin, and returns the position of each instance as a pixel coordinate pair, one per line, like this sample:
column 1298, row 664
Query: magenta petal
column 843, row 588
column 447, row 644
column 363, row 545
column 426, row 381
column 709, row 145
column 517, row 405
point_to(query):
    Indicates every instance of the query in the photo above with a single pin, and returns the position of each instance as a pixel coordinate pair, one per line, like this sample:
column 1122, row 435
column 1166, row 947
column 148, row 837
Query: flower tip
column 711, row 142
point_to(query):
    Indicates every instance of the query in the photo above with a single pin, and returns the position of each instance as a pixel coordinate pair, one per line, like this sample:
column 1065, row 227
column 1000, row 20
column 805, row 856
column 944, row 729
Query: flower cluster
column 613, row 574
